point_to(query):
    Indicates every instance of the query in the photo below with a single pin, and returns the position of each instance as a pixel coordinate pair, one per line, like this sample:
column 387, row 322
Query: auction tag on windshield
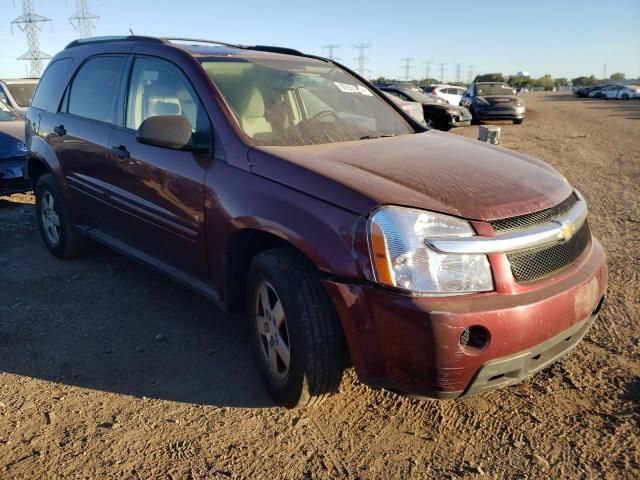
column 349, row 88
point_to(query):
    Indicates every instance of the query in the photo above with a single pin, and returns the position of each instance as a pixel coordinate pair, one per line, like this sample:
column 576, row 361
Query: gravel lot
column 108, row 370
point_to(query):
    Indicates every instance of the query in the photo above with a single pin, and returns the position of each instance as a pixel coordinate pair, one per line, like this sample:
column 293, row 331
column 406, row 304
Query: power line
column 330, row 49
column 83, row 20
column 407, row 67
column 442, row 64
column 361, row 59
column 31, row 23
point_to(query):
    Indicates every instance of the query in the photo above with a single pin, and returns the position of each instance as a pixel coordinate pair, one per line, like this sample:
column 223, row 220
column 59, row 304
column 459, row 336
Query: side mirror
column 167, row 131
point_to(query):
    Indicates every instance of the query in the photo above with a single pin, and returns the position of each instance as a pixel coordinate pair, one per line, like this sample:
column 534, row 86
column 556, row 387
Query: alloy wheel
column 271, row 330
column 50, row 218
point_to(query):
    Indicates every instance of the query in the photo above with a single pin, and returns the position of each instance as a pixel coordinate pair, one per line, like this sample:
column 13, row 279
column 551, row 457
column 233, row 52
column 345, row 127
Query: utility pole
column 427, row 68
column 407, row 67
column 604, row 72
column 331, row 48
column 83, row 21
column 361, row 59
column 31, row 23
column 470, row 75
column 458, row 69
column 442, row 64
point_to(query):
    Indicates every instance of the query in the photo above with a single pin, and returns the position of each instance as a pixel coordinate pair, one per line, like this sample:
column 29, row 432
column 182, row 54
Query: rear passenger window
column 47, row 95
column 95, row 87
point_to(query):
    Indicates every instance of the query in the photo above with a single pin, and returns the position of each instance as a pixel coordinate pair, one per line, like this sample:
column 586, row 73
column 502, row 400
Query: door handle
column 121, row 152
column 60, row 130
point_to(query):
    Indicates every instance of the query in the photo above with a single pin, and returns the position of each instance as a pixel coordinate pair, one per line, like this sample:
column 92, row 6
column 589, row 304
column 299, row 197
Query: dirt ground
column 108, row 370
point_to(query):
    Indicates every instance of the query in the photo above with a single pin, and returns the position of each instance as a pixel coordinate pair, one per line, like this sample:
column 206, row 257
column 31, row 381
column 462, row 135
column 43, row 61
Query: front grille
column 530, row 265
column 530, row 220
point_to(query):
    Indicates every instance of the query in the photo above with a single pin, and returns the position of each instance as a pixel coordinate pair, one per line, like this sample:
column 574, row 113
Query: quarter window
column 95, row 88
column 47, row 96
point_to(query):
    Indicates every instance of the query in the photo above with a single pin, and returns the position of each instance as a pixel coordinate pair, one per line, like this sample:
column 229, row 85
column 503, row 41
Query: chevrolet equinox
column 287, row 187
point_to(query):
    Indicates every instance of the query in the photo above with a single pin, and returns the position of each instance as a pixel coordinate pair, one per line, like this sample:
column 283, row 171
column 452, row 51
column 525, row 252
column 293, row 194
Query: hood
column 431, row 170
column 458, row 108
column 12, row 139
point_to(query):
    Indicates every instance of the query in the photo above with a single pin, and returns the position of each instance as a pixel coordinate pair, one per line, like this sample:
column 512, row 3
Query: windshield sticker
column 350, row 88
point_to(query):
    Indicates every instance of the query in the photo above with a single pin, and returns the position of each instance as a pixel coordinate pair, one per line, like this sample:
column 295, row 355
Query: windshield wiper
column 371, row 137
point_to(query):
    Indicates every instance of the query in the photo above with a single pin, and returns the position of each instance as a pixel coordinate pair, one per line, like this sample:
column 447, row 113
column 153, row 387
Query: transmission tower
column 31, row 23
column 407, row 67
column 470, row 75
column 330, row 51
column 83, row 20
column 427, row 68
column 442, row 64
column 458, row 70
column 361, row 59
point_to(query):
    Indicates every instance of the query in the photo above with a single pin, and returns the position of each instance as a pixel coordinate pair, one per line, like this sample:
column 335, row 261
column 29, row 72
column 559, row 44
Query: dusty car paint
column 196, row 216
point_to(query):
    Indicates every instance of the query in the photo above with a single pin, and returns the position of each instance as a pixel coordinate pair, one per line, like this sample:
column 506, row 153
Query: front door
column 160, row 191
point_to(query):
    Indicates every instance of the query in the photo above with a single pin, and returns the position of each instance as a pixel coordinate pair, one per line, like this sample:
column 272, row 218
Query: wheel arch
column 240, row 250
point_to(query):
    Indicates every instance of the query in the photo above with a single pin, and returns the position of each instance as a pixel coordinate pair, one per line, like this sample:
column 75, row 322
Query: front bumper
column 500, row 113
column 13, row 176
column 412, row 344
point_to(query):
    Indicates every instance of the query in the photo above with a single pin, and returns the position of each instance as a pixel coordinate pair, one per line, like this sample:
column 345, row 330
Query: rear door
column 80, row 136
column 160, row 191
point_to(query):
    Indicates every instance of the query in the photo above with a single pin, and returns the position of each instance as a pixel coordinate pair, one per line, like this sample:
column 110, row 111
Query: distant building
column 522, row 73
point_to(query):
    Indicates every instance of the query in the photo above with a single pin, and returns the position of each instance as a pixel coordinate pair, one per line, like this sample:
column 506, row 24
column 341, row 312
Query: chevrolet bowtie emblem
column 567, row 229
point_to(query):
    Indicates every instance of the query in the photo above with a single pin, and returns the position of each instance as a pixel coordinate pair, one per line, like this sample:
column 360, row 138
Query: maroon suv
column 286, row 186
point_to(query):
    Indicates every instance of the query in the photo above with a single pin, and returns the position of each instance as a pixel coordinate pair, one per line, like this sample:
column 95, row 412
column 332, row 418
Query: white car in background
column 17, row 92
column 450, row 93
column 622, row 92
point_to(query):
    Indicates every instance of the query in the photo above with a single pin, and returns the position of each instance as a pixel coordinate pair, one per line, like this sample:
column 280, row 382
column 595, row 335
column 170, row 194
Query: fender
column 237, row 200
column 41, row 152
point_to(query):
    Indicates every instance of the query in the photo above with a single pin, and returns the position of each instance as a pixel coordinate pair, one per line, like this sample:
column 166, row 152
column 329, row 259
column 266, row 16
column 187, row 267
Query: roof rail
column 200, row 40
column 115, row 38
column 262, row 48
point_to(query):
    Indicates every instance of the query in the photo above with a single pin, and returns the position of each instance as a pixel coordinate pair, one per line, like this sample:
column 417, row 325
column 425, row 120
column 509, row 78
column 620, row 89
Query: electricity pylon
column 83, row 21
column 31, row 23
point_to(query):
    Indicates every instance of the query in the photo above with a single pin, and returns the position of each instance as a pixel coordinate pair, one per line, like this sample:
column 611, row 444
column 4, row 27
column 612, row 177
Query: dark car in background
column 438, row 113
column 286, row 187
column 493, row 101
column 13, row 152
column 17, row 93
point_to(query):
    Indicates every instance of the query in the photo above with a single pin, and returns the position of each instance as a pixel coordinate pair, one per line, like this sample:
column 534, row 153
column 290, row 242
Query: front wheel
column 625, row 96
column 518, row 121
column 295, row 334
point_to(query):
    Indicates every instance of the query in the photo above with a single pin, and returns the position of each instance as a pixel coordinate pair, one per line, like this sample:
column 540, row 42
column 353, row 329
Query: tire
column 518, row 121
column 301, row 320
column 54, row 220
column 625, row 96
column 475, row 120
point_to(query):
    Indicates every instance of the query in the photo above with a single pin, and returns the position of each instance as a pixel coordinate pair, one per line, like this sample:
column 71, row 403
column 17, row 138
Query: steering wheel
column 325, row 113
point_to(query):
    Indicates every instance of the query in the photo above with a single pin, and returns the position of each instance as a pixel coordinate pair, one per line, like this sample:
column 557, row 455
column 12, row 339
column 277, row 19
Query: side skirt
column 205, row 289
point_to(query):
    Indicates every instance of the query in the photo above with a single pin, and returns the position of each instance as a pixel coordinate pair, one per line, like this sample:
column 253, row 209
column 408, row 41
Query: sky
column 561, row 38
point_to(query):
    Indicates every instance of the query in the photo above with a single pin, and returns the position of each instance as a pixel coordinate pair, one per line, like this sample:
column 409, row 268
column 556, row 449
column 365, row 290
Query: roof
column 195, row 46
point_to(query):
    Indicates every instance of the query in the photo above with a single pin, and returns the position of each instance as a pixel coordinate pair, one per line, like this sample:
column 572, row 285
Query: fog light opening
column 474, row 339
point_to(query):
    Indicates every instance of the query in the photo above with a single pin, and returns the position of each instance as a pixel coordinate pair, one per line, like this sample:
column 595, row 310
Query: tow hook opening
column 474, row 339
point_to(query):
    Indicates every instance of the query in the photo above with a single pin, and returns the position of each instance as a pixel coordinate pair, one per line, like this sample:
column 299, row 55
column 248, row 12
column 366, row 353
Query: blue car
column 13, row 153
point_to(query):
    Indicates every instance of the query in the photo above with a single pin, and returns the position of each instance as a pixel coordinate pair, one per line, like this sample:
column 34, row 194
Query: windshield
column 293, row 101
column 488, row 89
column 6, row 114
column 22, row 92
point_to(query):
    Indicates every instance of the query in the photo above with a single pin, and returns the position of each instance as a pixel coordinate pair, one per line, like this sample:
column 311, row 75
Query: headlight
column 401, row 258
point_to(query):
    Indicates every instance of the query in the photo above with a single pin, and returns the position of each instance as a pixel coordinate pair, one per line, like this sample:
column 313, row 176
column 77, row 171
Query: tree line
column 546, row 81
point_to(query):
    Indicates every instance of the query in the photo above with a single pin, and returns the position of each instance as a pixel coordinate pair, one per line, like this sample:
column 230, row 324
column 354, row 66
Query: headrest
column 164, row 108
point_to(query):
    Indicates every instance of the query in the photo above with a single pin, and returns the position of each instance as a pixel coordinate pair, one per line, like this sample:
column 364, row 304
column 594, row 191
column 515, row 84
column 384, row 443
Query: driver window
column 158, row 88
